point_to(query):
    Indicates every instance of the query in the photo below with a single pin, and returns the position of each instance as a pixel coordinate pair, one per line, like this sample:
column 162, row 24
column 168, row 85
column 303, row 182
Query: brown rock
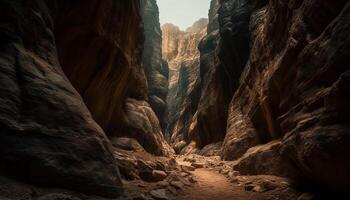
column 45, row 123
column 126, row 144
column 198, row 165
column 159, row 194
column 264, row 159
column 158, row 175
column 177, row 184
column 295, row 87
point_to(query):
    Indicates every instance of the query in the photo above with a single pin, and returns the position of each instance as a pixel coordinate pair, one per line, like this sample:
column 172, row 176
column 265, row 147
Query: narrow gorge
column 101, row 100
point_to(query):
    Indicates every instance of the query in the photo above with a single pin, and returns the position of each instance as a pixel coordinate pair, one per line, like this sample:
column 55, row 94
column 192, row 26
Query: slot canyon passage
column 99, row 100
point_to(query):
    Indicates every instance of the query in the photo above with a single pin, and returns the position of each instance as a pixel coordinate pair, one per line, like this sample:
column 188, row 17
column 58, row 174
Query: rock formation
column 273, row 79
column 108, row 72
column 156, row 69
column 294, row 89
column 55, row 58
column 180, row 48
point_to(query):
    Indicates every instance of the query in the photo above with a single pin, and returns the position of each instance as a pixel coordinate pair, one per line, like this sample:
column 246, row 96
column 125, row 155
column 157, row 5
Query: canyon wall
column 55, row 58
column 181, row 50
column 294, row 89
column 272, row 87
column 108, row 73
column 156, row 69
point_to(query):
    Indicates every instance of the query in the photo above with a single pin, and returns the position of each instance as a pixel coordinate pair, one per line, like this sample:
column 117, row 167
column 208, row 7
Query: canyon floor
column 208, row 178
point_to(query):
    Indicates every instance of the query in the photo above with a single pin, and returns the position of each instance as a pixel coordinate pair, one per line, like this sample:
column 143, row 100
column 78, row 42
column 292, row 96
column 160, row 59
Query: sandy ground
column 212, row 185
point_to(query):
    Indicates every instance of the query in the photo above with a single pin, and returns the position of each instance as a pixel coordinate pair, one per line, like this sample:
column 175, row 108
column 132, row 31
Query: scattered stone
column 159, row 175
column 159, row 194
column 187, row 168
column 163, row 184
column 233, row 180
column 192, row 180
column 177, row 184
column 172, row 190
column 184, row 174
column 198, row 165
column 268, row 185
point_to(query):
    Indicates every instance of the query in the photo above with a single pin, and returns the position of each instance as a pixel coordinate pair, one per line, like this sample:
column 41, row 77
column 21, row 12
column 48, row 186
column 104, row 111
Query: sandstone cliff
column 295, row 89
column 273, row 87
column 181, row 50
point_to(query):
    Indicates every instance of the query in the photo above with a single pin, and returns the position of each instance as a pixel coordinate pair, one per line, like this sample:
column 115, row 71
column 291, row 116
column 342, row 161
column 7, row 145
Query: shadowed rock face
column 181, row 50
column 156, row 69
column 295, row 87
column 55, row 58
column 108, row 72
column 48, row 136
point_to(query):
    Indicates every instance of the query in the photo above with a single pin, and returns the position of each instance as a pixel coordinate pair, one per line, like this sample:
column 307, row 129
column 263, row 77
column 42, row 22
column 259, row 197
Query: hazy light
column 182, row 13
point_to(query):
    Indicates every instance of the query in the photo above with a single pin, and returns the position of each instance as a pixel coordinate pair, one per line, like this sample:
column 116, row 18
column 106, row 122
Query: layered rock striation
column 294, row 89
column 180, row 48
column 71, row 78
column 156, row 69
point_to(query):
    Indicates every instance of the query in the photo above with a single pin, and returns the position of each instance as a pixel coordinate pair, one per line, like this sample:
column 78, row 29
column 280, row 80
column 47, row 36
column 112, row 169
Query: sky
column 182, row 13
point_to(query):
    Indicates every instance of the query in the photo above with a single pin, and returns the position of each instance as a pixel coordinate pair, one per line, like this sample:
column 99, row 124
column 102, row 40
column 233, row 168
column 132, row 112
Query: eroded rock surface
column 294, row 87
column 181, row 50
column 48, row 136
column 156, row 69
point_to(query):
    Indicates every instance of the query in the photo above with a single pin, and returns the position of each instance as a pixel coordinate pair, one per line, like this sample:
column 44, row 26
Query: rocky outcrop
column 48, row 136
column 295, row 87
column 55, row 58
column 108, row 72
column 181, row 50
column 156, row 69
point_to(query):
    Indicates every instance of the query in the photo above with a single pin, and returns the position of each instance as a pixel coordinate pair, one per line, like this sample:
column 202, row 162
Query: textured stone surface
column 295, row 86
column 48, row 136
column 184, row 78
column 156, row 69
column 108, row 72
column 265, row 159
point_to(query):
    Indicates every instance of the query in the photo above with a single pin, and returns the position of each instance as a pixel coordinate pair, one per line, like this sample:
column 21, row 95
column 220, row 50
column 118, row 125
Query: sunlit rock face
column 295, row 88
column 156, row 69
column 181, row 50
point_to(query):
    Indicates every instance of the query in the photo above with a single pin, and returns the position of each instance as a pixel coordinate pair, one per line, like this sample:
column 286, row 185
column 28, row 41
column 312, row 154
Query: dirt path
column 213, row 186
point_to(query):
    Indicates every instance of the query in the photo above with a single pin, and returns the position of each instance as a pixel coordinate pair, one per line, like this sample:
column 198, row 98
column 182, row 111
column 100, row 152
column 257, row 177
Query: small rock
column 159, row 194
column 159, row 175
column 198, row 165
column 186, row 168
column 177, row 184
column 163, row 184
column 184, row 174
column 249, row 187
column 233, row 180
column 268, row 185
column 172, row 190
column 224, row 171
column 191, row 179
column 306, row 196
column 259, row 189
